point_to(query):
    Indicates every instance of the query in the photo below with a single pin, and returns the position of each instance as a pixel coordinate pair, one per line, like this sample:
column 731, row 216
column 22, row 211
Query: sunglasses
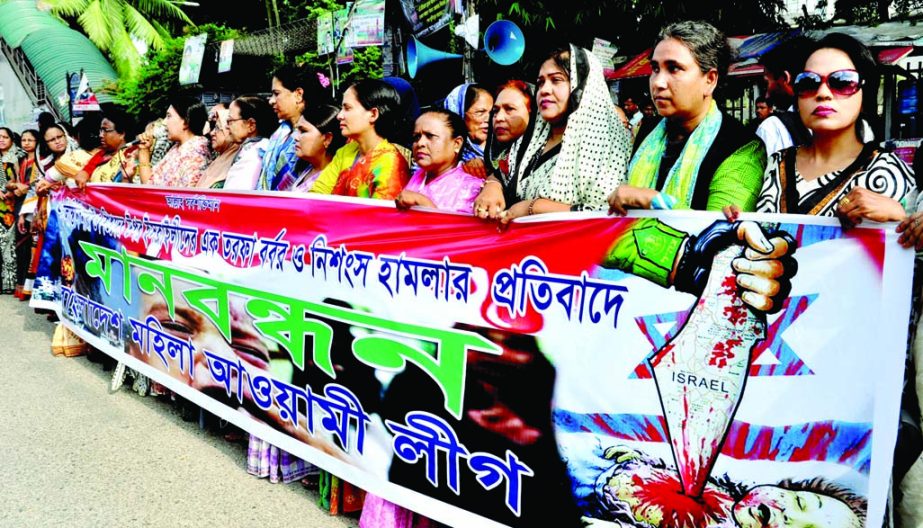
column 842, row 83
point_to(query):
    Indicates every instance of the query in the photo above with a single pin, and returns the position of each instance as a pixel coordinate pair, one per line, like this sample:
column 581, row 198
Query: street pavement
column 73, row 455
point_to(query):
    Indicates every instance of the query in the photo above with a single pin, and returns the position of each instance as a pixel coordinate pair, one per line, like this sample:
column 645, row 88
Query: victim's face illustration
column 651, row 494
column 776, row 507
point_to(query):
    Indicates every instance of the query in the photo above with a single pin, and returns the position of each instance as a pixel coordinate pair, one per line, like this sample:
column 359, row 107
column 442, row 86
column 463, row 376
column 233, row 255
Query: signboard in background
column 367, row 26
column 325, row 40
column 605, row 52
column 527, row 378
column 193, row 51
column 226, row 56
column 341, row 36
column 85, row 100
column 908, row 97
column 210, row 99
column 79, row 96
column 906, row 149
column 427, row 16
column 388, row 65
column 469, row 30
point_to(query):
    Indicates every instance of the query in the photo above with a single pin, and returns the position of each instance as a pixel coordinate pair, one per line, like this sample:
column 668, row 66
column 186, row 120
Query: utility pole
column 468, row 58
column 70, row 98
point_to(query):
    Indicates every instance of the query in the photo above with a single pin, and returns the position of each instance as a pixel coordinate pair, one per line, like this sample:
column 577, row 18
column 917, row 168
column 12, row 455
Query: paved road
column 73, row 455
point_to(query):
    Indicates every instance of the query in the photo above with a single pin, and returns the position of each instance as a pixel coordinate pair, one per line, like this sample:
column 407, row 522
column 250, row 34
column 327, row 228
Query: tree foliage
column 311, row 9
column 112, row 24
column 367, row 62
column 630, row 24
column 873, row 11
column 145, row 95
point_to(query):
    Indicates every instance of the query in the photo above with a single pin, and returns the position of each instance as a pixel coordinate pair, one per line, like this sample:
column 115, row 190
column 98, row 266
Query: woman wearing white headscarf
column 473, row 103
column 578, row 152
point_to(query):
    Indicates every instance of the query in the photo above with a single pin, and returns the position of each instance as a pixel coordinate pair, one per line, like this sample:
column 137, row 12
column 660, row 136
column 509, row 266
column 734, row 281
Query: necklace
column 551, row 143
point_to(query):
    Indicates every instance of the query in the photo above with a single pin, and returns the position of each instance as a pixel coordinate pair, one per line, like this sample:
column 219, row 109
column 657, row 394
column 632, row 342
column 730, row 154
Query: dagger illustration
column 701, row 373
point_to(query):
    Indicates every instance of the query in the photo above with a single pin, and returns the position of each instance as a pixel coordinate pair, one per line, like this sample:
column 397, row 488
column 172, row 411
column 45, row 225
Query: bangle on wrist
column 532, row 206
column 662, row 202
column 492, row 181
column 144, row 164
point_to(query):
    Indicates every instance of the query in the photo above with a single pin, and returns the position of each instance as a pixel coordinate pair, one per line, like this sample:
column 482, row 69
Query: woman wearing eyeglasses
column 224, row 149
column 250, row 122
column 841, row 172
column 110, row 161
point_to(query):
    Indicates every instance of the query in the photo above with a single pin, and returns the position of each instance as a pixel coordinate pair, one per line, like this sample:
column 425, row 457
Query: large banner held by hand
column 668, row 370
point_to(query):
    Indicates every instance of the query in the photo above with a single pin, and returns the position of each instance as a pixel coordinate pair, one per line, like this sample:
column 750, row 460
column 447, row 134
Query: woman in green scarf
column 698, row 157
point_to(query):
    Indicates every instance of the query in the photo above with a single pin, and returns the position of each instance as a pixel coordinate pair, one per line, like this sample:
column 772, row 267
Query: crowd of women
column 558, row 145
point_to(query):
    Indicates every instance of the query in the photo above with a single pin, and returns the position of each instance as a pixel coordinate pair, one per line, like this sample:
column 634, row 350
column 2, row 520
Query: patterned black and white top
column 886, row 174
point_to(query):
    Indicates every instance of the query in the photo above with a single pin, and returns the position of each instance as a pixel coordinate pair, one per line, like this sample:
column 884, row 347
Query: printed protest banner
column 85, row 100
column 605, row 52
column 427, row 16
column 367, row 26
column 193, row 51
column 225, row 56
column 341, row 36
column 669, row 370
column 325, row 42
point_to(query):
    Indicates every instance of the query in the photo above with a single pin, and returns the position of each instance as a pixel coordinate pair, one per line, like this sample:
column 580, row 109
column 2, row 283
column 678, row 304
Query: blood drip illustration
column 701, row 373
column 661, row 497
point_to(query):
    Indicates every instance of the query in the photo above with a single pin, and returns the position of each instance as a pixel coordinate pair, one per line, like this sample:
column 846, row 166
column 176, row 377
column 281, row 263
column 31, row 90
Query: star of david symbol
column 771, row 357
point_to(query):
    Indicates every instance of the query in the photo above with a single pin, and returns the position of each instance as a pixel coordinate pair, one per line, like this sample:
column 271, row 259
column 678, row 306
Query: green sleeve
column 647, row 250
column 739, row 179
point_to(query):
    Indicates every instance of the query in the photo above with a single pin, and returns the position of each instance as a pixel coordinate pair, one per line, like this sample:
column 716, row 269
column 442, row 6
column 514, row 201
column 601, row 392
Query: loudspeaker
column 504, row 42
column 419, row 55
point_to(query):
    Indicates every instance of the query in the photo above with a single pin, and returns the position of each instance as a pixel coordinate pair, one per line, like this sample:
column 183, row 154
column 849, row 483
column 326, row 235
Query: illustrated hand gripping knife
column 701, row 372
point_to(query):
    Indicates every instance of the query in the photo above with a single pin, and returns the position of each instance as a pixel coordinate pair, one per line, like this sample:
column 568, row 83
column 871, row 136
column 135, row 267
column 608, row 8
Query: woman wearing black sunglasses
column 841, row 171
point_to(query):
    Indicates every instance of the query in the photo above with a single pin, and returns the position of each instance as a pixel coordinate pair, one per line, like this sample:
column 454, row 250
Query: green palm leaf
column 162, row 8
column 111, row 24
column 96, row 22
column 68, row 8
column 139, row 26
column 123, row 53
column 114, row 12
column 164, row 32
